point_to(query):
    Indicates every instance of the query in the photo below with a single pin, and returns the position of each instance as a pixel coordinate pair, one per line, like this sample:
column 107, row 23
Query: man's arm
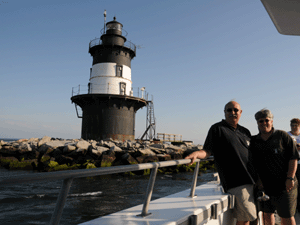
column 201, row 154
column 291, row 173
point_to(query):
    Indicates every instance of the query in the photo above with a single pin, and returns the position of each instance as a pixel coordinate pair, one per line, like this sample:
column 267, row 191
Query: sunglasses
column 266, row 120
column 230, row 110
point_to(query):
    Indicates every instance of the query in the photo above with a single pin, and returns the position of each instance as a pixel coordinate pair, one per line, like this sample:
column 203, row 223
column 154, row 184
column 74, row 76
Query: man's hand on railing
column 201, row 154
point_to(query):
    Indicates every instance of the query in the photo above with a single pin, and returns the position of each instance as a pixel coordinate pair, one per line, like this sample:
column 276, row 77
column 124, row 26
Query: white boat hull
column 179, row 208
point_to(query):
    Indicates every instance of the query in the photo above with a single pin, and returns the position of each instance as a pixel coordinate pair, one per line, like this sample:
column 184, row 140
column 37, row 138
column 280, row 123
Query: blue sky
column 195, row 56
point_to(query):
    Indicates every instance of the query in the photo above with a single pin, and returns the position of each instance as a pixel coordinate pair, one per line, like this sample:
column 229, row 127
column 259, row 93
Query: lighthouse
column 109, row 106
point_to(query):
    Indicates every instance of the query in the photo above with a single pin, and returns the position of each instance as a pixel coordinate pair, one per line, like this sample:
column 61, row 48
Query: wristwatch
column 290, row 178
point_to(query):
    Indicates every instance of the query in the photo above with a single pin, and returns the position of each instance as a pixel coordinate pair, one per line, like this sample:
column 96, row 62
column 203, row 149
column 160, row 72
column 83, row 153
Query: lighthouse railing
column 98, row 41
column 106, row 89
column 68, row 176
column 124, row 32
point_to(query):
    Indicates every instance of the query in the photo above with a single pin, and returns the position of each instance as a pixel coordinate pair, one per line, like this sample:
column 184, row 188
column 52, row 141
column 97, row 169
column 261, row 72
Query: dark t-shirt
column 230, row 149
column 271, row 159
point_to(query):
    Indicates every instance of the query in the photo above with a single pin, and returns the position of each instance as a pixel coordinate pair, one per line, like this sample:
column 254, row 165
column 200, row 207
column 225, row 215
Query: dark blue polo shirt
column 229, row 146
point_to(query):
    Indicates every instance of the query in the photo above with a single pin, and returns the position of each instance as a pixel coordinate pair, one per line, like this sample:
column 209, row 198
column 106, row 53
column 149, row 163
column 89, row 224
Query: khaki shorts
column 244, row 205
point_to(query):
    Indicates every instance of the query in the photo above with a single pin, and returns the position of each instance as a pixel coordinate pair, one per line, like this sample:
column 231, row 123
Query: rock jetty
column 53, row 154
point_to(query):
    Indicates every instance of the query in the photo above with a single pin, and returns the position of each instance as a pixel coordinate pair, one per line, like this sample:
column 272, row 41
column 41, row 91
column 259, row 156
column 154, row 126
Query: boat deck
column 210, row 207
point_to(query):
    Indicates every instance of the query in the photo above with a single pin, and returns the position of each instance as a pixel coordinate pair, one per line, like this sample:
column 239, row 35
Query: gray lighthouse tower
column 109, row 106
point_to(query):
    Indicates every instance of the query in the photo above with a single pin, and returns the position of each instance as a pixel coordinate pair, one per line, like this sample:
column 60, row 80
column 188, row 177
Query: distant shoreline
column 10, row 139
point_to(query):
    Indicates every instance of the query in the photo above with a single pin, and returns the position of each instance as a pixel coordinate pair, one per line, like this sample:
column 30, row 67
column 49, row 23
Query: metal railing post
column 196, row 171
column 61, row 200
column 149, row 192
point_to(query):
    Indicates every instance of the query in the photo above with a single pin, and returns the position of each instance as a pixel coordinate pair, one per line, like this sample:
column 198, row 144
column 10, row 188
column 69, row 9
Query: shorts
column 244, row 205
column 285, row 203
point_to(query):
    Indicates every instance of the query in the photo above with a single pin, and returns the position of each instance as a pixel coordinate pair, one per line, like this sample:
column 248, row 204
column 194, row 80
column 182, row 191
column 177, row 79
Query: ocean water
column 89, row 198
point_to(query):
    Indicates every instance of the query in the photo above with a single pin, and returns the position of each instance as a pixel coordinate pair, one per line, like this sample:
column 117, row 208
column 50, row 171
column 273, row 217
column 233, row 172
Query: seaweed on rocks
column 53, row 154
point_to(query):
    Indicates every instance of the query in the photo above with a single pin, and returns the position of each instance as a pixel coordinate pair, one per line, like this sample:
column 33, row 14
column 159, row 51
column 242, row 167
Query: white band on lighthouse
column 110, row 78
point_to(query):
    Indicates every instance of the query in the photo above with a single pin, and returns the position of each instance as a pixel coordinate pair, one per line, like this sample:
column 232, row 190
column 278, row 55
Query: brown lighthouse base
column 108, row 116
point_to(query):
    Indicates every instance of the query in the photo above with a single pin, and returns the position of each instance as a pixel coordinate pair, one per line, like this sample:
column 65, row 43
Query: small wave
column 22, row 198
column 87, row 194
column 36, row 196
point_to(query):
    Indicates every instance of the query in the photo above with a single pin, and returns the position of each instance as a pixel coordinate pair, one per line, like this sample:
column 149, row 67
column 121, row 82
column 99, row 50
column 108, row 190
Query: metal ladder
column 149, row 134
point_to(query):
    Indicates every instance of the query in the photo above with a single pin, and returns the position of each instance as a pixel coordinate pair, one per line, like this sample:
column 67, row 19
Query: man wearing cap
column 275, row 159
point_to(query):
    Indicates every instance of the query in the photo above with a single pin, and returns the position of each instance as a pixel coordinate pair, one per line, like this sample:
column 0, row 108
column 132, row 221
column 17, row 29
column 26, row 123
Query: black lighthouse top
column 114, row 27
column 113, row 35
column 112, row 44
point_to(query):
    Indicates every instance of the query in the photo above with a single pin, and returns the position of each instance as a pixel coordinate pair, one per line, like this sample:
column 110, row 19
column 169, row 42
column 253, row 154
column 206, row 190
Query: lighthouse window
column 114, row 26
column 119, row 71
column 122, row 88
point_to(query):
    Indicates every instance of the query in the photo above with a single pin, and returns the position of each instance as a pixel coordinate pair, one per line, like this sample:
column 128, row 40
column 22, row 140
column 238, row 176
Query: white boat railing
column 68, row 176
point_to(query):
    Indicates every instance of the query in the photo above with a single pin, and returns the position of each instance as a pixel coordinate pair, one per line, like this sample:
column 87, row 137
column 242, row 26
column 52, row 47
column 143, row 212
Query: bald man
column 228, row 142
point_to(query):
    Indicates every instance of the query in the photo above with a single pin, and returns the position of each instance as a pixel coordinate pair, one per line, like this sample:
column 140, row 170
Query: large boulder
column 96, row 153
column 33, row 144
column 128, row 144
column 69, row 148
column 33, row 140
column 136, row 145
column 157, row 150
column 107, row 160
column 174, row 148
column 176, row 156
column 44, row 140
column 94, row 144
column 56, row 144
column 146, row 151
column 157, row 145
column 44, row 148
column 108, row 144
column 115, row 149
column 147, row 159
column 83, row 144
column 127, row 159
column 101, row 149
column 62, row 159
column 25, row 154
column 163, row 157
column 25, row 146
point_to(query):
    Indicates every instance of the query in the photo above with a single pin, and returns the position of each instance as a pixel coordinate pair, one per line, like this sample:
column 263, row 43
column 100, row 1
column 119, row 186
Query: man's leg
column 268, row 218
column 286, row 205
column 244, row 206
column 242, row 223
column 288, row 221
